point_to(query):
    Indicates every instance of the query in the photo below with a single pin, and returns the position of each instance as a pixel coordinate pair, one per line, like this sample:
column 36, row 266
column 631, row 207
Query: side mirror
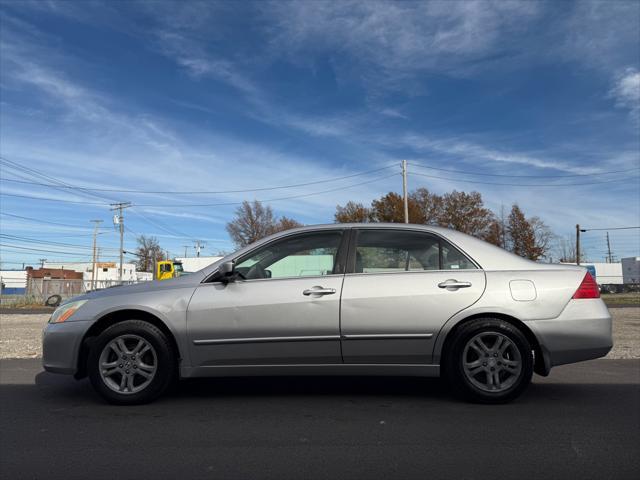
column 226, row 270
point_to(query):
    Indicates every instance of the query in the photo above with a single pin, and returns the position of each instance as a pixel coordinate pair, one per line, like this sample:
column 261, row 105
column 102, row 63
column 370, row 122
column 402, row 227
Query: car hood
column 193, row 279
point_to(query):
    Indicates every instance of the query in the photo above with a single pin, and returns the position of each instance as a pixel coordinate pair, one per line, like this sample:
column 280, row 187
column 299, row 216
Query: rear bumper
column 581, row 332
column 61, row 346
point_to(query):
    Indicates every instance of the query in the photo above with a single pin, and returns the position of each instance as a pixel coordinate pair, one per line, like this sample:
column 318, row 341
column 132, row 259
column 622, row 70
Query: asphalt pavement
column 582, row 422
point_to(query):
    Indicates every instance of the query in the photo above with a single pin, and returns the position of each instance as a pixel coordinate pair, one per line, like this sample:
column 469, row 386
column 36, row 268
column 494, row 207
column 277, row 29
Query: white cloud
column 398, row 38
column 626, row 91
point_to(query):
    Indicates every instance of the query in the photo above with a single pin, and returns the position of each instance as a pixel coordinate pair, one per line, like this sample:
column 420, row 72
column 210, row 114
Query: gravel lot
column 20, row 335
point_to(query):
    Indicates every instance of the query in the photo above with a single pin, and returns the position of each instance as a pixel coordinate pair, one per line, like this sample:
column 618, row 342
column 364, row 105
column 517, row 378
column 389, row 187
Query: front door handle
column 318, row 290
column 454, row 284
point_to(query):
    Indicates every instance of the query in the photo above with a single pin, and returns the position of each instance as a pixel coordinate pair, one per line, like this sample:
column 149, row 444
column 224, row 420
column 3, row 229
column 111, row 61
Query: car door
column 283, row 309
column 401, row 286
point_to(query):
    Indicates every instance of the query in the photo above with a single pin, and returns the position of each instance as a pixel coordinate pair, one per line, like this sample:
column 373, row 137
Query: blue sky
column 206, row 96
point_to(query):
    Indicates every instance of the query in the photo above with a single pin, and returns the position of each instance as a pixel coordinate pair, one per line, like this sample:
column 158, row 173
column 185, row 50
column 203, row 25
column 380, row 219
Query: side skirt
column 409, row 370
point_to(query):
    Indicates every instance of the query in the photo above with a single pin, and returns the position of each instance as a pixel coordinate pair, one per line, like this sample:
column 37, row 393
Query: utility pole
column 404, row 191
column 118, row 220
column 578, row 244
column 185, row 250
column 42, row 260
column 609, row 256
column 199, row 245
column 95, row 253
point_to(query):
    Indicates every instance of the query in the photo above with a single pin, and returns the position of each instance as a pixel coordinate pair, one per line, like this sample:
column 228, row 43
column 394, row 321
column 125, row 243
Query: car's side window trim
column 351, row 260
column 339, row 267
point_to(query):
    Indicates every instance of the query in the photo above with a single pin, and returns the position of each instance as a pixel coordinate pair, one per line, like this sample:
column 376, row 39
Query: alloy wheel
column 128, row 364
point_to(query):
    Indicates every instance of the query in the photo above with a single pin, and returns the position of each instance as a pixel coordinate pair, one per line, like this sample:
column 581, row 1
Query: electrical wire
column 201, row 192
column 184, row 205
column 36, row 220
column 291, row 197
column 51, row 242
column 419, row 165
column 525, row 184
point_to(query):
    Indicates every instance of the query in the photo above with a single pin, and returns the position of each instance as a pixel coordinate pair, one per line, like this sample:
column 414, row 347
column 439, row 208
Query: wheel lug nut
column 127, row 372
column 135, row 366
column 120, row 365
column 484, row 364
column 495, row 354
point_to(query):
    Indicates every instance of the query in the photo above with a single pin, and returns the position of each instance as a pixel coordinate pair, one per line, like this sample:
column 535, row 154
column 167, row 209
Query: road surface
column 582, row 422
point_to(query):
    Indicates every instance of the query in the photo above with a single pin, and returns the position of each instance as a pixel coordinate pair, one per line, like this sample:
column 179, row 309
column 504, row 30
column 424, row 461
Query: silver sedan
column 341, row 299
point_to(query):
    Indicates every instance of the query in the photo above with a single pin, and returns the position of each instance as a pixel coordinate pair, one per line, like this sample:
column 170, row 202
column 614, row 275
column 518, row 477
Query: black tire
column 166, row 371
column 453, row 361
column 53, row 301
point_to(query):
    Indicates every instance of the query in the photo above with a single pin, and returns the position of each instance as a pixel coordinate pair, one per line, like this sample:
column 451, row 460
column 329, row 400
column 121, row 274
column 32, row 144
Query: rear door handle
column 318, row 290
column 454, row 284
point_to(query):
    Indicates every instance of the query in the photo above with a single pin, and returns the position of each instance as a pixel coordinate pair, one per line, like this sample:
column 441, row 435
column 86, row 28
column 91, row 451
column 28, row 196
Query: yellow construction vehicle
column 166, row 269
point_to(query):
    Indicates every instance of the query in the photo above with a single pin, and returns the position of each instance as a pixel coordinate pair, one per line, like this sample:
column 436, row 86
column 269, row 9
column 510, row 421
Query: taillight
column 588, row 288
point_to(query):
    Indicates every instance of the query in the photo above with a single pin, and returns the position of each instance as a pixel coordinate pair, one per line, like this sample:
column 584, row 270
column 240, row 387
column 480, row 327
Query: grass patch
column 613, row 299
column 21, row 301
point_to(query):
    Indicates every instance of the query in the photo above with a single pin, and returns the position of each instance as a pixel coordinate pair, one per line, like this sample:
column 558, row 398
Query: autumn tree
column 465, row 212
column 254, row 221
column 352, row 212
column 148, row 252
column 495, row 233
column 428, row 206
column 286, row 223
column 522, row 236
column 390, row 208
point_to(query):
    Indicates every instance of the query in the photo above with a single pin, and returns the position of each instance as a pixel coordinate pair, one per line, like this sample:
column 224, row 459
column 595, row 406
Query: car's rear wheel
column 488, row 361
column 131, row 362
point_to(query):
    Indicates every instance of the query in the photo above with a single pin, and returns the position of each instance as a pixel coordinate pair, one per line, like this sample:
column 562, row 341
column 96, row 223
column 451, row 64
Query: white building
column 193, row 264
column 106, row 275
column 631, row 270
column 604, row 273
column 13, row 281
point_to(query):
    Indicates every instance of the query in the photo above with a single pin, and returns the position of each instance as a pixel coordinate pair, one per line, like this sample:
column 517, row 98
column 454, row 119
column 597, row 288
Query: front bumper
column 61, row 346
column 581, row 332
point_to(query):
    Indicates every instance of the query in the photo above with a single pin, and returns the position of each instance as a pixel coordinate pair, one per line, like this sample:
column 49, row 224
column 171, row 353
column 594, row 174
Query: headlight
column 65, row 311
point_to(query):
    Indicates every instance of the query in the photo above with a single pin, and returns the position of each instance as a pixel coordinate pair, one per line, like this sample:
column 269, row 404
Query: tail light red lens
column 588, row 288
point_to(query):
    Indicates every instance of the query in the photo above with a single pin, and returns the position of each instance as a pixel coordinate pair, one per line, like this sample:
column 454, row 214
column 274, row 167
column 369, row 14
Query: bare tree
column 254, row 221
column 566, row 250
column 148, row 252
column 542, row 234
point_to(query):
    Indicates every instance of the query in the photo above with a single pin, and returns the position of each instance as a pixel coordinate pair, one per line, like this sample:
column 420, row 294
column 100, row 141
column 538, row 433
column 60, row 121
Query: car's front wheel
column 131, row 362
column 488, row 361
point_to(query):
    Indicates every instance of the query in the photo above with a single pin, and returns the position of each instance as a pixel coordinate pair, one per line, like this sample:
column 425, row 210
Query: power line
column 57, row 252
column 184, row 205
column 614, row 228
column 270, row 199
column 200, row 192
column 521, row 176
column 526, row 184
column 44, row 221
column 50, row 242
